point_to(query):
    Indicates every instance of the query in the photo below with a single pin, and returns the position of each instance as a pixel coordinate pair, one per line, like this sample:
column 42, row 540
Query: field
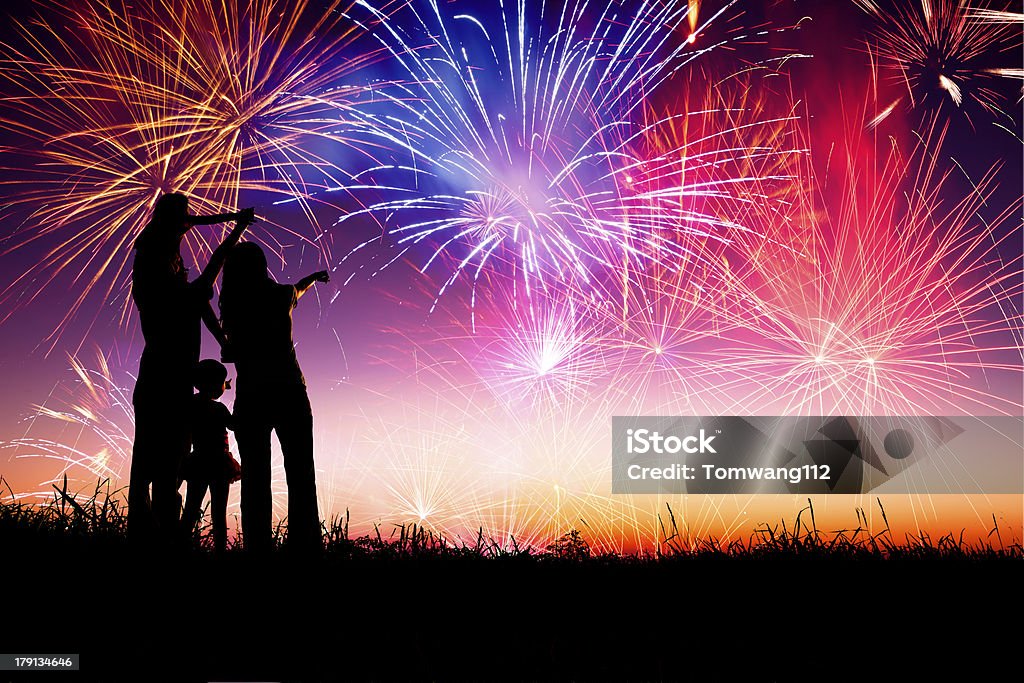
column 404, row 604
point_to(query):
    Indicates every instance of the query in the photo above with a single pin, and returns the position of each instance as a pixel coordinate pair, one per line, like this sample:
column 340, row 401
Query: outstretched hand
column 307, row 282
column 243, row 219
column 246, row 216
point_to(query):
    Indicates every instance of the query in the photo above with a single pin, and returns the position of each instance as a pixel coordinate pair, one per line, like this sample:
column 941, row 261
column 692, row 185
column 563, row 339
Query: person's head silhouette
column 246, row 265
column 211, row 378
column 159, row 243
column 171, row 209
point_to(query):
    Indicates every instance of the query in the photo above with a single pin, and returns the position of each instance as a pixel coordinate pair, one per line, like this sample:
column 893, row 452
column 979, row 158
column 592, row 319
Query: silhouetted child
column 211, row 465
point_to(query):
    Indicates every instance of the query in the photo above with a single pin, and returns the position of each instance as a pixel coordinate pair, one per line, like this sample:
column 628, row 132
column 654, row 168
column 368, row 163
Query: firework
column 522, row 137
column 940, row 50
column 114, row 106
column 868, row 295
column 541, row 356
column 422, row 463
column 671, row 323
column 89, row 424
column 656, row 357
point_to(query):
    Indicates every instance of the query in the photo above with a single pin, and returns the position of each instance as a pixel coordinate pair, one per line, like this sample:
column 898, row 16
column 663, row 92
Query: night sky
column 464, row 365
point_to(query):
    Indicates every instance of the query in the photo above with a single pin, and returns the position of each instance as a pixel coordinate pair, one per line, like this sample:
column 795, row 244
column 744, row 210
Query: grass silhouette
column 97, row 521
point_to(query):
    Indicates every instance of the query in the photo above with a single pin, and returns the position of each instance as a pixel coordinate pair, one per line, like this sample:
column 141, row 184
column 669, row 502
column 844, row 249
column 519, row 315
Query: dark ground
column 200, row 618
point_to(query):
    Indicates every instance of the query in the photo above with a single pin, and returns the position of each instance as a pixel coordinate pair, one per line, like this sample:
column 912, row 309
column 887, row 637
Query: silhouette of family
column 181, row 434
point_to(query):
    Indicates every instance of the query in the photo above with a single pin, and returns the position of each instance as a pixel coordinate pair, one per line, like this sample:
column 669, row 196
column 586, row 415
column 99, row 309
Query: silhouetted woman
column 170, row 310
column 270, row 395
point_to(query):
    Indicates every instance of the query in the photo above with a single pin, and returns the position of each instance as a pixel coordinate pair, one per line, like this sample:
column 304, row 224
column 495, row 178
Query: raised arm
column 243, row 215
column 305, row 283
column 220, row 254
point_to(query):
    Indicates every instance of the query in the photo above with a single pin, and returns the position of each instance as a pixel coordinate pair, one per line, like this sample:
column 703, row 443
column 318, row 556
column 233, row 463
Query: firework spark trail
column 993, row 16
column 519, row 138
column 941, row 47
column 96, row 412
column 872, row 297
column 115, row 106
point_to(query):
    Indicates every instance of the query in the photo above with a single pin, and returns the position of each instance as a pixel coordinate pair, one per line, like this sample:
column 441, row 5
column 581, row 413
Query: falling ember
column 952, row 88
column 884, row 115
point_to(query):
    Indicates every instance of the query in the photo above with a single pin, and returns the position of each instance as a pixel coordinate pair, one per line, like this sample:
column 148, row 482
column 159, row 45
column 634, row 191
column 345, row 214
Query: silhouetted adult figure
column 270, row 395
column 170, row 310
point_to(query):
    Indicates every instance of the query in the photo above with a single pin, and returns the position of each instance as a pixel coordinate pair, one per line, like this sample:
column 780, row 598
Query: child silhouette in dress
column 211, row 465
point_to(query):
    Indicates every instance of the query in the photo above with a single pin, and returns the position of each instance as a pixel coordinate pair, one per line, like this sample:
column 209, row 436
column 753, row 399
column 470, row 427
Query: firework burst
column 542, row 356
column 522, row 133
column 114, row 106
column 941, row 51
column 870, row 295
column 422, row 462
